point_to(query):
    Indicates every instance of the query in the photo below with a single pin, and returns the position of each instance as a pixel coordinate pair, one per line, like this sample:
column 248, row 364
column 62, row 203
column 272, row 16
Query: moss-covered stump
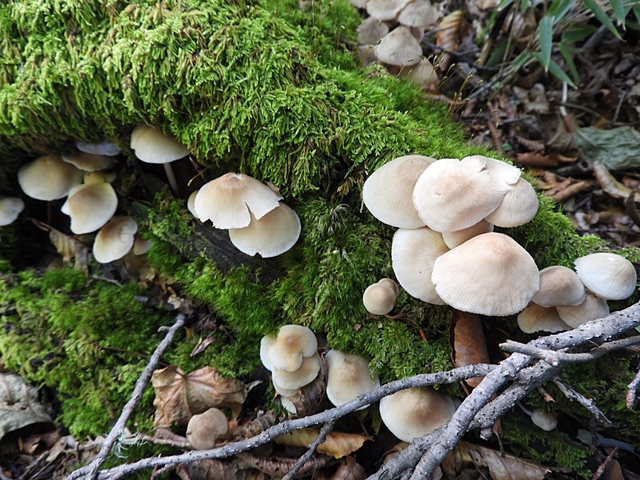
column 259, row 87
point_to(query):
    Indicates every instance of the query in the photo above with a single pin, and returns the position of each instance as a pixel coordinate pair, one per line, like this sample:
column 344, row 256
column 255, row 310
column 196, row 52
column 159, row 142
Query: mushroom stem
column 171, row 177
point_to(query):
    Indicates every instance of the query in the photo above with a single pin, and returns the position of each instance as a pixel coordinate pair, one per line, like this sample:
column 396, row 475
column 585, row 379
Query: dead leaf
column 72, row 251
column 336, row 444
column 469, row 346
column 618, row 148
column 447, row 36
column 349, row 470
column 39, row 442
column 542, row 160
column 180, row 396
column 255, row 427
column 276, row 467
column 501, row 466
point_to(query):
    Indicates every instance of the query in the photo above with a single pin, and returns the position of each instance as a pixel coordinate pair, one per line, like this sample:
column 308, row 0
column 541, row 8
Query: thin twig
column 587, row 403
column 91, row 470
column 601, row 468
column 326, row 429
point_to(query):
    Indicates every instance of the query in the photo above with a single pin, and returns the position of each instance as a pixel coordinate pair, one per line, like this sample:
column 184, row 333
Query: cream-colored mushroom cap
column 379, row 298
column 385, row 9
column 519, row 206
column 418, row 13
column 413, row 253
column 559, row 287
column 103, row 148
column 536, row 318
column 453, row 239
column 292, row 344
column 305, row 374
column 152, row 146
column 348, row 377
column 265, row 345
column 10, row 208
column 48, row 178
column 422, row 74
column 388, row 191
column 115, row 239
column 205, row 428
column 454, row 194
column 229, row 200
column 371, row 30
column 592, row 308
column 490, row 274
column 89, row 162
column 272, row 235
column 90, row 205
column 608, row 275
column 415, row 412
column 547, row 421
column 141, row 245
column 503, row 170
column 399, row 48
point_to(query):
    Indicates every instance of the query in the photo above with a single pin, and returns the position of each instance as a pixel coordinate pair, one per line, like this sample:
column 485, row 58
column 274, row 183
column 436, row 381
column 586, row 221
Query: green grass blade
column 568, row 58
column 602, row 16
column 545, row 31
column 559, row 9
column 618, row 11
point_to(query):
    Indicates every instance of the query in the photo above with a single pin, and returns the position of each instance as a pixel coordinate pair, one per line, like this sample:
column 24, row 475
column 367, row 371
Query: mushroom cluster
column 257, row 220
column 568, row 298
column 292, row 358
column 445, row 250
column 391, row 35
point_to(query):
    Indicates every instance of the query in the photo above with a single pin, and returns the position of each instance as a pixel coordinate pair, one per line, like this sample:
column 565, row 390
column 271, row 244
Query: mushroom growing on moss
column 115, row 239
column 287, row 350
column 90, row 205
column 48, row 178
column 379, row 298
column 608, row 275
column 10, row 208
column 205, row 428
column 348, row 376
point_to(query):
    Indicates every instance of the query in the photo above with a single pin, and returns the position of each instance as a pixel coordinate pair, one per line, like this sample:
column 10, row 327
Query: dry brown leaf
column 180, row 396
column 542, row 160
column 468, row 343
column 501, row 466
column 447, row 36
column 336, row 444
column 349, row 470
column 279, row 466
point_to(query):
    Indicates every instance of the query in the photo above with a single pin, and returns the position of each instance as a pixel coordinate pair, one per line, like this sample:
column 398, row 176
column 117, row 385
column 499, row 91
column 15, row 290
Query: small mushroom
column 371, row 30
column 103, row 148
column 293, row 343
column 48, row 178
column 385, row 9
column 115, row 239
column 559, row 287
column 348, row 376
column 415, row 412
column 398, row 48
column 10, row 208
column 536, row 318
column 592, row 308
column 90, row 205
column 608, row 275
column 519, row 206
column 380, row 297
column 205, row 428
column 292, row 381
column 418, row 13
column 453, row 239
column 89, row 162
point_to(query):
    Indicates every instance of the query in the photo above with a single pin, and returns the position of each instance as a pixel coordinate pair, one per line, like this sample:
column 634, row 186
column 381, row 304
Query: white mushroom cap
column 545, row 420
column 272, row 235
column 288, row 405
column 348, row 376
column 418, row 13
column 265, row 345
column 559, row 287
column 379, row 298
column 453, row 239
column 228, row 200
column 10, row 208
column 385, row 9
column 89, row 162
column 455, row 194
column 90, row 205
column 141, row 245
column 304, row 375
column 536, row 318
column 102, row 148
column 388, row 191
column 371, row 30
column 398, row 48
column 422, row 73
column 505, row 171
column 152, row 146
column 413, row 253
column 48, row 178
column 519, row 206
column 115, row 239
column 415, row 412
column 608, row 275
column 204, row 429
column 292, row 344
column 592, row 308
column 490, row 274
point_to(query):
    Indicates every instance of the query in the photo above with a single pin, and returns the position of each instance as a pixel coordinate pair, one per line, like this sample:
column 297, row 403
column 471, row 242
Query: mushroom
column 519, row 206
column 387, row 192
column 273, row 234
column 90, row 205
column 379, row 297
column 287, row 350
column 286, row 381
column 592, row 308
column 371, row 30
column 422, row 74
column 398, row 48
column 115, row 239
column 536, row 318
column 89, row 162
column 454, row 194
column 103, row 148
column 385, row 9
column 418, row 13
column 415, row 412
column 230, row 200
column 10, row 208
column 48, row 178
column 152, row 146
column 490, row 274
column 608, row 275
column 413, row 253
column 205, row 428
column 559, row 287
column 348, row 376
column 453, row 239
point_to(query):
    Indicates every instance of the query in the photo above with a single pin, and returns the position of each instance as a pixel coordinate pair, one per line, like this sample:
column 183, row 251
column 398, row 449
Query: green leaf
column 555, row 70
column 636, row 11
column 568, row 58
column 577, row 33
column 618, row 10
column 545, row 31
column 559, row 8
column 520, row 60
column 601, row 15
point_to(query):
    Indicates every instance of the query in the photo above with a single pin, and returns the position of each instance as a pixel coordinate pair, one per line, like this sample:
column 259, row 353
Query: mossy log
column 261, row 87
